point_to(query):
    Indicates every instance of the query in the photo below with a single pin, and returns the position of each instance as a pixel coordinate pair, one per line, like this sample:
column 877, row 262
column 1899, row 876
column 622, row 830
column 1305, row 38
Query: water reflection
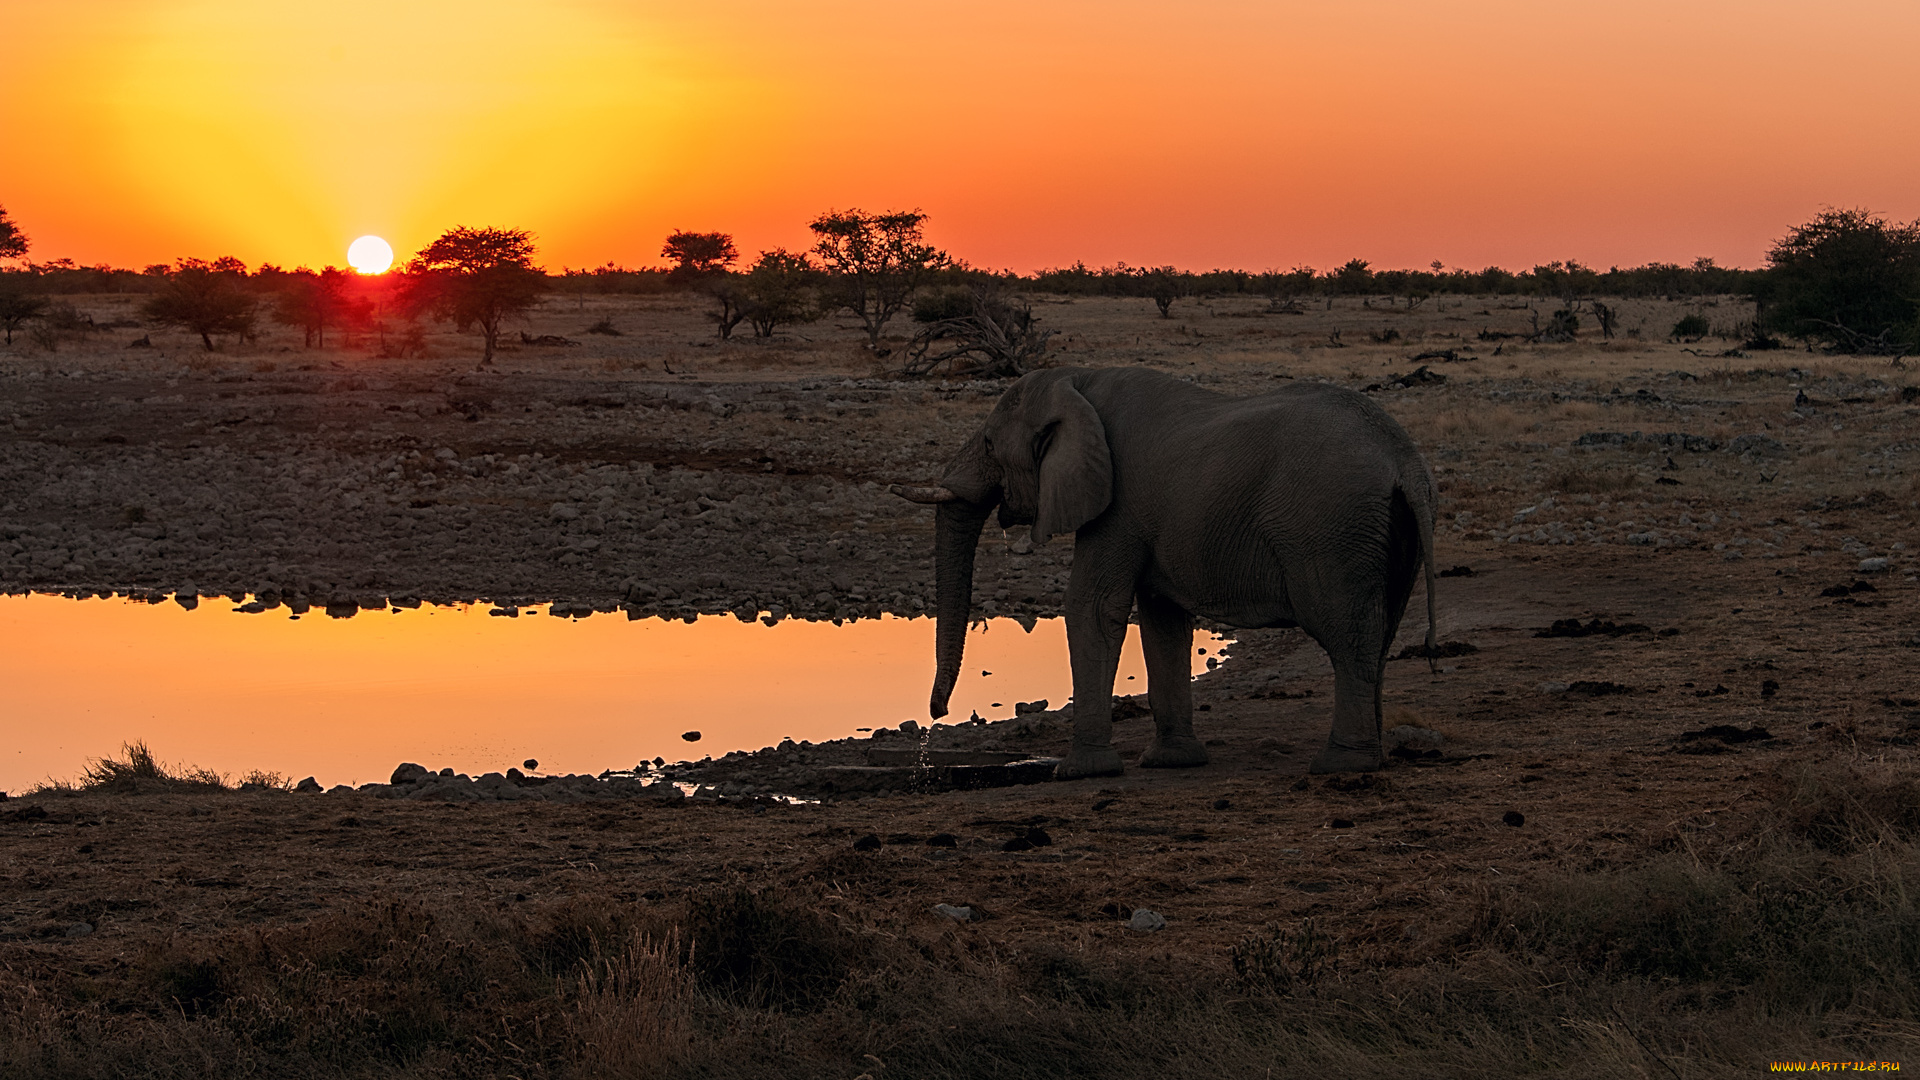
column 344, row 700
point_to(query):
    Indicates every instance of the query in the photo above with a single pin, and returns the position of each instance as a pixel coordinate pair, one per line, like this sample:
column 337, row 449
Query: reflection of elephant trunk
column 1304, row 507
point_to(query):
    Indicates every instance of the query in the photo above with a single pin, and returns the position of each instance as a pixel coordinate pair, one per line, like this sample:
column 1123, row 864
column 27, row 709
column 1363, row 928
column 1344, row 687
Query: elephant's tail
column 1423, row 514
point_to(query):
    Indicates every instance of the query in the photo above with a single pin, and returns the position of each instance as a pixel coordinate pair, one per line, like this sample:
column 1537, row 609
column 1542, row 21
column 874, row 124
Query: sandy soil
column 1722, row 586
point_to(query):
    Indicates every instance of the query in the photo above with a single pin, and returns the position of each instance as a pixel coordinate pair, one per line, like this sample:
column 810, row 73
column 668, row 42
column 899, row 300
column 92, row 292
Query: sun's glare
column 370, row 255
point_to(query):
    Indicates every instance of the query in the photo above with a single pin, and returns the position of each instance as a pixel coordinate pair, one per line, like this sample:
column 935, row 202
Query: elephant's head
column 1042, row 459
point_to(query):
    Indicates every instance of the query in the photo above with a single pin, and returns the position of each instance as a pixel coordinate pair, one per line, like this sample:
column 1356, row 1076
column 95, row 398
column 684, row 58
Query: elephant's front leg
column 1099, row 598
column 1166, row 636
column 1354, row 744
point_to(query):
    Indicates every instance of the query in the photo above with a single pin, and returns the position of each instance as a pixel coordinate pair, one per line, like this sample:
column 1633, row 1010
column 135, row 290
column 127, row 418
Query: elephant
column 1308, row 506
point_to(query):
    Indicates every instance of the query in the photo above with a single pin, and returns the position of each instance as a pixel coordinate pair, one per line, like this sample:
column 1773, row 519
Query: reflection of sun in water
column 370, row 255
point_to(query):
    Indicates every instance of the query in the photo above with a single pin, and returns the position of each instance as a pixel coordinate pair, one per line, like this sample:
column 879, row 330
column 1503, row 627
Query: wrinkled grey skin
column 1308, row 506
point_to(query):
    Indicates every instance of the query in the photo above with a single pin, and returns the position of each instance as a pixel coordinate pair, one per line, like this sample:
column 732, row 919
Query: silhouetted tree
column 874, row 262
column 1848, row 279
column 17, row 304
column 1353, row 278
column 779, row 290
column 475, row 278
column 698, row 254
column 205, row 298
column 729, row 290
column 13, row 242
column 1165, row 285
column 313, row 302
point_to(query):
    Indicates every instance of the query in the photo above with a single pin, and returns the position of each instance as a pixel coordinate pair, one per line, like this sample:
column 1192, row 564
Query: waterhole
column 344, row 700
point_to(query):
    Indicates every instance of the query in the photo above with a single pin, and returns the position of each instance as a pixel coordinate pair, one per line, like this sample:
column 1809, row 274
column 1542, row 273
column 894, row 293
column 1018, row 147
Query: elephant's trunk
column 956, row 537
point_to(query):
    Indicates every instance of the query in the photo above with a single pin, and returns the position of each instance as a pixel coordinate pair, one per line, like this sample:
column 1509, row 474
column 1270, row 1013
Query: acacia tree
column 779, row 289
column 698, row 254
column 1848, row 279
column 17, row 305
column 205, row 298
column 1165, row 285
column 475, row 278
column 313, row 302
column 874, row 262
column 13, row 242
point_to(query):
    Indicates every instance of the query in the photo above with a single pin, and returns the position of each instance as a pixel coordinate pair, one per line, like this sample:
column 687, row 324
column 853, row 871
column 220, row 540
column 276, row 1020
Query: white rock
column 1416, row 738
column 957, row 914
column 1874, row 565
column 1551, row 687
column 1146, row 921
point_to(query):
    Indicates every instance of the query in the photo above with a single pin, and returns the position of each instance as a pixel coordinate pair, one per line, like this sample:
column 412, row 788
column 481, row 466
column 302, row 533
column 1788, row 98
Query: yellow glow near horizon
column 279, row 123
column 370, row 255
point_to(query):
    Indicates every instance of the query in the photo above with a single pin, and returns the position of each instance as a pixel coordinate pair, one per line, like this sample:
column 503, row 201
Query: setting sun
column 370, row 255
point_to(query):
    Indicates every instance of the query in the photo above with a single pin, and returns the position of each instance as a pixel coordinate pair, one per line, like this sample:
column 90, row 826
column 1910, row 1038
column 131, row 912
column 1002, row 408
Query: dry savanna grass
column 1797, row 936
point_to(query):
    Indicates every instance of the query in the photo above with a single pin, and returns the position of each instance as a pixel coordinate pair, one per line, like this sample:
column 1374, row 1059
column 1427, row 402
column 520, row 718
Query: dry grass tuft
column 138, row 770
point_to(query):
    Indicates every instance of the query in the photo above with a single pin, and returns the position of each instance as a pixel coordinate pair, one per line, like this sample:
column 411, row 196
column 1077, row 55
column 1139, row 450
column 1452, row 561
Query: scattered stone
column 307, row 786
column 1552, row 687
column 869, row 842
column 1223, row 804
column 1340, row 823
column 1410, row 740
column 690, row 736
column 1022, row 708
column 1876, row 565
column 1102, row 804
column 1513, row 818
column 1146, row 921
column 531, row 764
column 1727, row 733
column 78, row 930
column 957, row 914
column 943, row 840
column 1574, row 628
column 1597, row 688
column 409, row 773
column 1456, row 571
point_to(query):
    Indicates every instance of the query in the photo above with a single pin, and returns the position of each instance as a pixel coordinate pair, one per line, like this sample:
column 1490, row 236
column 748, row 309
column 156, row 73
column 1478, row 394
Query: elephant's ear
column 1076, row 469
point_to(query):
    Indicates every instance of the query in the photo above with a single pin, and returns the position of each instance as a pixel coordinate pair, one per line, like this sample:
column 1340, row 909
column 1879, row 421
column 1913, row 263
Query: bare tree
column 874, row 262
column 205, row 298
column 476, row 278
column 992, row 335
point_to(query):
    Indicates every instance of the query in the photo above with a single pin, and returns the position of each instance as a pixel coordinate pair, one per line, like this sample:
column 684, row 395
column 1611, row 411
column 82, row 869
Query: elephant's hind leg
column 1354, row 745
column 1166, row 636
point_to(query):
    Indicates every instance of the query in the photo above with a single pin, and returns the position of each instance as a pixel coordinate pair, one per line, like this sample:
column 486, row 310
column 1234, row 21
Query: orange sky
column 1209, row 133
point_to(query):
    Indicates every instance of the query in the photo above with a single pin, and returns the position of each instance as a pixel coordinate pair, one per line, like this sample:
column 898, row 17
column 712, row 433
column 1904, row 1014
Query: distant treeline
column 1354, row 278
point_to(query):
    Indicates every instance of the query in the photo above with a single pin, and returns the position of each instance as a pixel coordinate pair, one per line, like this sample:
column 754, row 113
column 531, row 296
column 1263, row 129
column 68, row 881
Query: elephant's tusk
column 924, row 494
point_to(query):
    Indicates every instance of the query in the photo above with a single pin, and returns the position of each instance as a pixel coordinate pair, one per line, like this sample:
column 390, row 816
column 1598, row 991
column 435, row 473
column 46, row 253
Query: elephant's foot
column 1179, row 752
column 1097, row 761
column 1339, row 759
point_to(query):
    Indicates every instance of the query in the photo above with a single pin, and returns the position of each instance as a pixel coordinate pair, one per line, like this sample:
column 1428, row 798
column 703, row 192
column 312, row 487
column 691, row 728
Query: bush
column 1692, row 327
column 1848, row 280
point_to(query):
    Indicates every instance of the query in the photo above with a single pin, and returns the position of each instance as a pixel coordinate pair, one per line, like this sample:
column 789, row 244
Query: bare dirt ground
column 1633, row 842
